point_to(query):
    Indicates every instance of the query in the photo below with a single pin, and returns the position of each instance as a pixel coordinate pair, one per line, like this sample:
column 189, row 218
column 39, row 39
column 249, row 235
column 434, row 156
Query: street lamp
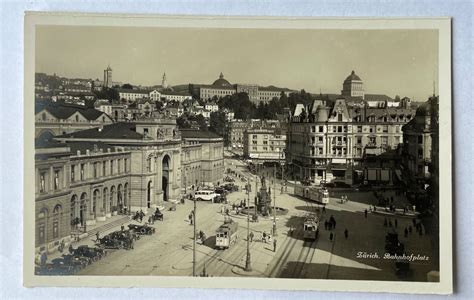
column 194, row 238
column 248, row 266
column 274, row 205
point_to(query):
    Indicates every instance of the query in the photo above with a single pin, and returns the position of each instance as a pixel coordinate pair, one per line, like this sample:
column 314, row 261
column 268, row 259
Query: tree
column 218, row 123
column 108, row 93
column 127, row 86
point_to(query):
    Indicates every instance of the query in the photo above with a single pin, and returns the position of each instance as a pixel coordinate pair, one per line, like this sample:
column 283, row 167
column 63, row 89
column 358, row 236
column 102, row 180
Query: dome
column 352, row 77
column 221, row 81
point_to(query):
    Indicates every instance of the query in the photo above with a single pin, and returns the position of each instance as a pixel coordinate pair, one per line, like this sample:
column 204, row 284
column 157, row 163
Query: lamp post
column 194, row 239
column 248, row 266
column 274, row 205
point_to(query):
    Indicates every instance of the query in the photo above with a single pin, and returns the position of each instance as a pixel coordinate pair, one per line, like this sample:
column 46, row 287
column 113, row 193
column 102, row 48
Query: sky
column 391, row 62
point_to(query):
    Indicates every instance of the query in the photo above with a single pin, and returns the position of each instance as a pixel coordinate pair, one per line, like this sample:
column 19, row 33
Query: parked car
column 142, row 229
column 93, row 253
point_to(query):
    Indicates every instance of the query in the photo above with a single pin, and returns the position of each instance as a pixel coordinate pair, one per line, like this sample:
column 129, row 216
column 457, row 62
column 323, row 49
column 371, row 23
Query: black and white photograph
column 242, row 149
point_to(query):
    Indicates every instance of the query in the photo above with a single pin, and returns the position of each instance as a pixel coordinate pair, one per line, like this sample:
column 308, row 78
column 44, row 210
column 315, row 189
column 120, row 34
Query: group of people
column 267, row 238
column 344, row 199
column 389, row 223
column 331, row 224
column 418, row 227
column 139, row 216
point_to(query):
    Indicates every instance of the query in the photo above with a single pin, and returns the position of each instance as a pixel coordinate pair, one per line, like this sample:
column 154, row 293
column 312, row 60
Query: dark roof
column 274, row 88
column 200, row 134
column 377, row 97
column 353, row 76
column 175, row 93
column 121, row 130
column 65, row 110
column 133, row 91
column 221, row 81
column 43, row 142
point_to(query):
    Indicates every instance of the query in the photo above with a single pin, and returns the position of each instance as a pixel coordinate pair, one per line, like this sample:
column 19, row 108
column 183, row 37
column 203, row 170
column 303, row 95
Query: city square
column 264, row 179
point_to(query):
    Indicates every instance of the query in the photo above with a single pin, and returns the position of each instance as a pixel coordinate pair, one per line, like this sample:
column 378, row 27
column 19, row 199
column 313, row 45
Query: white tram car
column 316, row 194
column 226, row 234
column 311, row 227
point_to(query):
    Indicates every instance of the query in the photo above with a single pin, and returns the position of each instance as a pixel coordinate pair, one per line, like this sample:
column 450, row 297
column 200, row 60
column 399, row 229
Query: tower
column 164, row 83
column 353, row 86
column 108, row 77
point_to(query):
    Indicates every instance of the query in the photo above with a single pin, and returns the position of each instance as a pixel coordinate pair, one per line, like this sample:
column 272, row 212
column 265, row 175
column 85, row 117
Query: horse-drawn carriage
column 142, row 229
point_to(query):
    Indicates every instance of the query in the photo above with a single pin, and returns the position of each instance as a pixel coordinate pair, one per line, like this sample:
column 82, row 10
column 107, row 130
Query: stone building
column 86, row 177
column 54, row 118
column 329, row 140
column 202, row 158
column 221, row 87
column 264, row 145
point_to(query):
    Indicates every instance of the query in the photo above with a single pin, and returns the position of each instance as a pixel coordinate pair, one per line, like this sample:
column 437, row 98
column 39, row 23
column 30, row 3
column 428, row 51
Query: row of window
column 43, row 186
column 99, row 169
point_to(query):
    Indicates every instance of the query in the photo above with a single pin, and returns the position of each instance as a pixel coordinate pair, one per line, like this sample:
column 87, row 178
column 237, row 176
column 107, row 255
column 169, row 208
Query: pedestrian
column 38, row 259
column 122, row 228
column 264, row 237
column 274, row 245
column 61, row 246
column 375, row 208
column 396, row 223
column 97, row 236
column 342, row 199
column 251, row 236
column 346, row 233
column 326, row 224
column 385, row 222
column 71, row 249
column 140, row 217
column 365, row 213
column 331, row 236
column 406, row 232
column 190, row 217
column 44, row 258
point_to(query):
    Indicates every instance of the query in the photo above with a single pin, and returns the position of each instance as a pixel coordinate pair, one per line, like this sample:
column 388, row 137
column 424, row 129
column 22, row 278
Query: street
column 169, row 251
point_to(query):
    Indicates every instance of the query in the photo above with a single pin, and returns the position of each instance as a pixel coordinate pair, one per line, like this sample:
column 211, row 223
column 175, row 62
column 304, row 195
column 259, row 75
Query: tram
column 311, row 227
column 226, row 234
column 316, row 194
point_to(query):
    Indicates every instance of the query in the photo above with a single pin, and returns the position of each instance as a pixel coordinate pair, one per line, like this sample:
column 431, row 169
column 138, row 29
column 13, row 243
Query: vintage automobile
column 77, row 260
column 93, row 253
column 142, row 229
column 126, row 238
column 58, row 266
column 229, row 179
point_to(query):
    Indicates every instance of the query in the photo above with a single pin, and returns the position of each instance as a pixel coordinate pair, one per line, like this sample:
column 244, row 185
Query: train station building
column 86, row 177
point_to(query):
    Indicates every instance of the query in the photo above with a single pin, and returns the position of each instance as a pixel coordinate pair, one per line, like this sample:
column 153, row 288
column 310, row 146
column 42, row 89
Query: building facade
column 221, row 88
column 328, row 141
column 108, row 77
column 202, row 158
column 264, row 145
column 59, row 118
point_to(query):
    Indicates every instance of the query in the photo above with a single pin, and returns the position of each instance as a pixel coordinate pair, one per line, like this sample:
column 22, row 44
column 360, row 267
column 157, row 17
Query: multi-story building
column 264, row 145
column 236, row 129
column 418, row 142
column 202, row 158
column 221, row 88
column 170, row 95
column 132, row 95
column 54, row 118
column 88, row 176
column 330, row 139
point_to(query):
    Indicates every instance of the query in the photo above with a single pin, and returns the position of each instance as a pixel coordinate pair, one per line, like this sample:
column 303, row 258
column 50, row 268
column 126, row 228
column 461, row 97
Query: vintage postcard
column 261, row 153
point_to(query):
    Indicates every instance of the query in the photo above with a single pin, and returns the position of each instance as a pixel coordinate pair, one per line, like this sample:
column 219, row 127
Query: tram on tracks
column 311, row 227
column 317, row 194
column 226, row 234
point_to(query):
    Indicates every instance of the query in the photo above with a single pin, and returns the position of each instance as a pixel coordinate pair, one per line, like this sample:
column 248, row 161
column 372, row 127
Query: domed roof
column 352, row 77
column 221, row 81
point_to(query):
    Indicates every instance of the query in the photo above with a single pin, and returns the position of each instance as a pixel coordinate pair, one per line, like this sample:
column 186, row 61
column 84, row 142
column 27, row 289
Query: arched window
column 57, row 209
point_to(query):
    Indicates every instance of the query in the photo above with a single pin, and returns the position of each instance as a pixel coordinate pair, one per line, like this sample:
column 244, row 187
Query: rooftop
column 121, row 130
column 65, row 110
